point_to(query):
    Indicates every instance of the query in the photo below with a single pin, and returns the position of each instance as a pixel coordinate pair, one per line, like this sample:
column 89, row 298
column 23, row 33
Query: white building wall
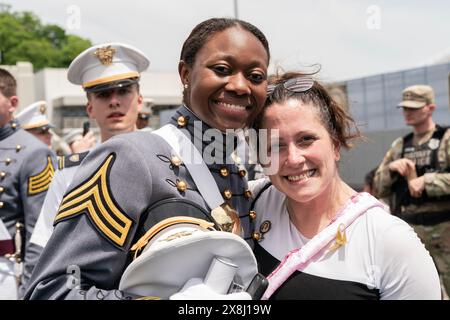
column 23, row 72
column 52, row 83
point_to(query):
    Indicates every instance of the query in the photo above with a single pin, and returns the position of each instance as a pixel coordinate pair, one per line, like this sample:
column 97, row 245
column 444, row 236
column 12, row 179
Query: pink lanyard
column 299, row 258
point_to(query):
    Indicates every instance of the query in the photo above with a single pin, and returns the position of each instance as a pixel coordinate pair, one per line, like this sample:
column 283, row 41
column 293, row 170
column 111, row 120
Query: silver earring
column 186, row 86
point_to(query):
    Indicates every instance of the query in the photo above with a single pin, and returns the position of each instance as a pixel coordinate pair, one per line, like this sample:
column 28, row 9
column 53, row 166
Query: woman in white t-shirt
column 319, row 238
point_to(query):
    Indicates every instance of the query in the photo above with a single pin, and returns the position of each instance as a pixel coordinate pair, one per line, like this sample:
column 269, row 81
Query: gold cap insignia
column 42, row 108
column 227, row 218
column 105, row 55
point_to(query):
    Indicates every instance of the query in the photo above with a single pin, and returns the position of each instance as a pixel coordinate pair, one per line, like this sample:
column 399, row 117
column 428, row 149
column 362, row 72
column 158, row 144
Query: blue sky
column 349, row 39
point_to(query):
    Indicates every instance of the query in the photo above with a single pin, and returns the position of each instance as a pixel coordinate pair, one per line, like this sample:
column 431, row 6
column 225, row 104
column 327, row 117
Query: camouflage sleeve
column 36, row 174
column 437, row 183
column 384, row 179
column 95, row 225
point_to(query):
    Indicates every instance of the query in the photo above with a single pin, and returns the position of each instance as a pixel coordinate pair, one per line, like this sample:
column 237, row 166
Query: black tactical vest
column 425, row 157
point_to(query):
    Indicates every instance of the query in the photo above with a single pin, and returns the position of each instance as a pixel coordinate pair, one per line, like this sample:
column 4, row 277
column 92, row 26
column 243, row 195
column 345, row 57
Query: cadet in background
column 26, row 170
column 143, row 119
column 113, row 104
column 34, row 119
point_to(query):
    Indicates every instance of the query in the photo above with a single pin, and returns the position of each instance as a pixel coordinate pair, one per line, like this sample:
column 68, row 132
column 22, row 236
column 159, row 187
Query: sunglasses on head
column 297, row 85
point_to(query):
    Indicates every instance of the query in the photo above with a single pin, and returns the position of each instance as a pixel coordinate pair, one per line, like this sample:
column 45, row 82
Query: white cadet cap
column 178, row 249
column 107, row 66
column 73, row 135
column 34, row 116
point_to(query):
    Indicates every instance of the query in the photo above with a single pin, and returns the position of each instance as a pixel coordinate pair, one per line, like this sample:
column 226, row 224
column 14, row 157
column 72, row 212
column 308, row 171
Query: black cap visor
column 112, row 85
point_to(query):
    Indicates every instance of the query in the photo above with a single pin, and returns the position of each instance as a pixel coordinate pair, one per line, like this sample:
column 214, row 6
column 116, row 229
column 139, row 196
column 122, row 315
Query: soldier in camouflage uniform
column 26, row 169
column 133, row 181
column 415, row 172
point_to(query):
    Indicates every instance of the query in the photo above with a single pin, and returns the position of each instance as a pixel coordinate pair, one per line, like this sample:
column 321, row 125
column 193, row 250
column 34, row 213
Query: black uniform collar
column 8, row 129
column 186, row 119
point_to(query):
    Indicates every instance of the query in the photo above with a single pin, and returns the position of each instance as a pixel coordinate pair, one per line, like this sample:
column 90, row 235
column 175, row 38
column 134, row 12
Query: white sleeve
column 255, row 186
column 44, row 225
column 407, row 270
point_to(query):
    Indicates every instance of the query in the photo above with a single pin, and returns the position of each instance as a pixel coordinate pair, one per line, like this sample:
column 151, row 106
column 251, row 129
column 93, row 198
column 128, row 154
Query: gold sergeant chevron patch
column 41, row 181
column 94, row 198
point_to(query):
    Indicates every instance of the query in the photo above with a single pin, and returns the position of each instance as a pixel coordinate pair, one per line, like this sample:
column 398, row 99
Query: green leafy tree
column 24, row 38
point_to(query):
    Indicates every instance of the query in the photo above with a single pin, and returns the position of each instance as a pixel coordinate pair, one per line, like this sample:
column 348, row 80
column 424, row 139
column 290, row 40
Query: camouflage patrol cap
column 417, row 96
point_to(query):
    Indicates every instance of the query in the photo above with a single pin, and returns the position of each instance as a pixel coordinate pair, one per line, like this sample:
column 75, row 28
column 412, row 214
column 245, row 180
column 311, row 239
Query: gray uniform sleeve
column 44, row 225
column 36, row 173
column 95, row 225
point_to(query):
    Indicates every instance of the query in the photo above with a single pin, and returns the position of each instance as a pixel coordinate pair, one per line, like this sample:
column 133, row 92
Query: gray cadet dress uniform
column 67, row 166
column 122, row 188
column 26, row 169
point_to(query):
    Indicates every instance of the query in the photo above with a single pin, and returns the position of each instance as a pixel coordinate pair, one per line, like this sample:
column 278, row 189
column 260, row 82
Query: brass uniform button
column 8, row 161
column 247, row 194
column 181, row 186
column 256, row 236
column 242, row 173
column 182, row 121
column 252, row 214
column 1, row 204
column 2, row 189
column 224, row 172
column 18, row 148
column 14, row 125
column 175, row 161
column 227, row 194
column 2, row 174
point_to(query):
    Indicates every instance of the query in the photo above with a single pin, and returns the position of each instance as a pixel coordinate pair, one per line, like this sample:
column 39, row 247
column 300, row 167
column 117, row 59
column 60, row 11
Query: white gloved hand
column 195, row 289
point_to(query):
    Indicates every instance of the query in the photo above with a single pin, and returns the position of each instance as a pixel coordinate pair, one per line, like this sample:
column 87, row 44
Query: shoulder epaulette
column 71, row 160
